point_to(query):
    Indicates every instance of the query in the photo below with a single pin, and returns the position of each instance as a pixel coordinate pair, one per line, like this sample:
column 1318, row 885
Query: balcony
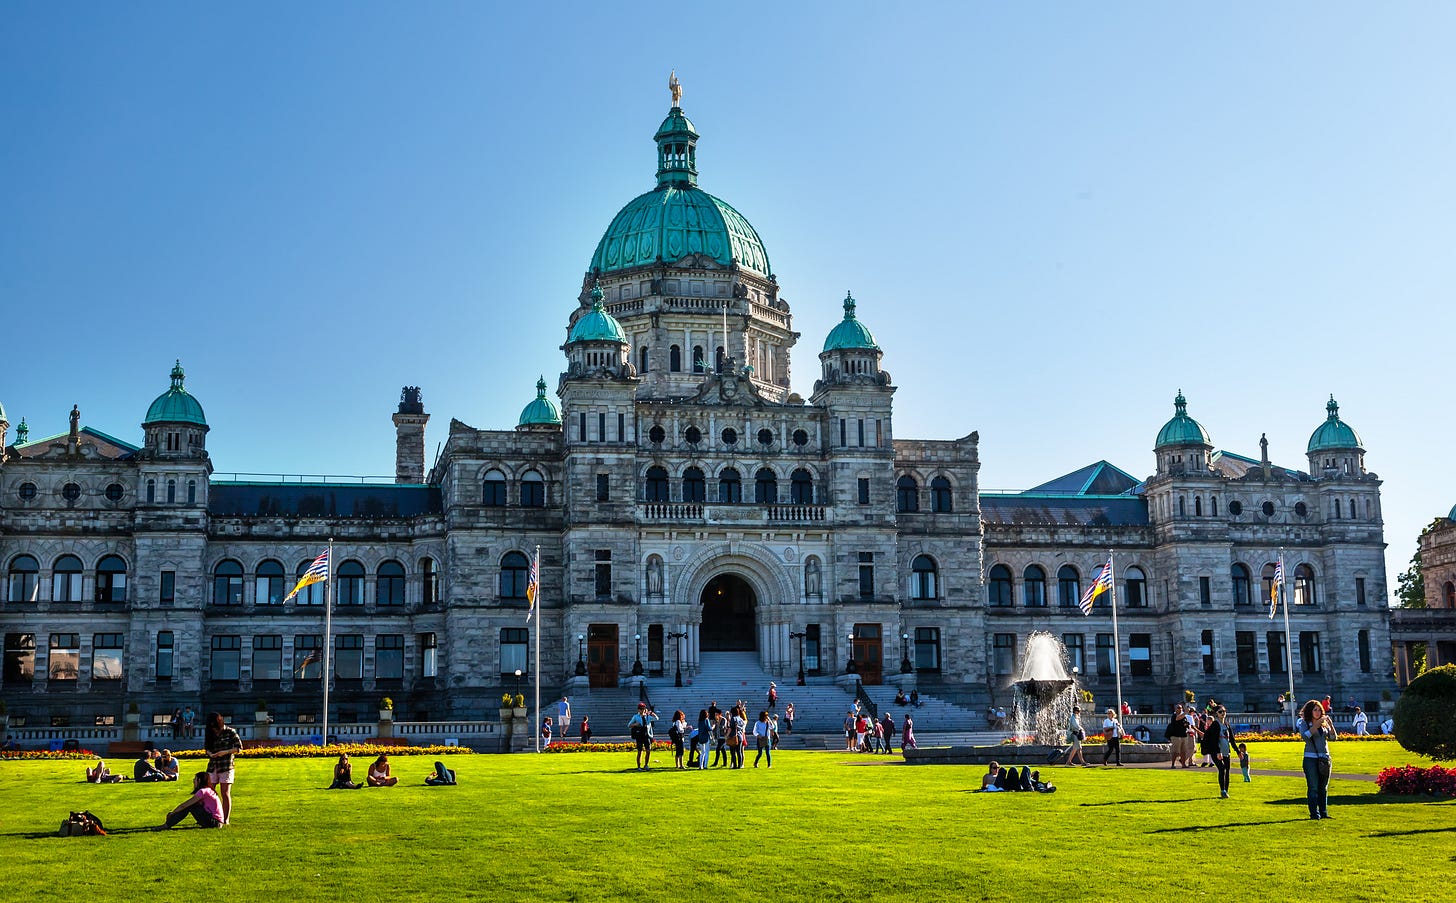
column 715, row 513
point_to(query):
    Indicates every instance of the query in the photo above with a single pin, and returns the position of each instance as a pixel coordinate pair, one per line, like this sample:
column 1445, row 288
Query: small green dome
column 597, row 325
column 175, row 405
column 850, row 334
column 1452, row 514
column 1182, row 429
column 1334, row 433
column 542, row 411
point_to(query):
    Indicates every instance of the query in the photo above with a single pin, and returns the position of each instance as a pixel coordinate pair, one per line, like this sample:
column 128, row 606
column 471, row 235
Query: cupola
column 850, row 350
column 175, row 425
column 1334, row 447
column 595, row 343
column 1183, row 445
column 542, row 413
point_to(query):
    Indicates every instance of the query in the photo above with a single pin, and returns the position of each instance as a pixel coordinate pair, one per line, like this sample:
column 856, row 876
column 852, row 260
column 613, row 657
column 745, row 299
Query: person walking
column 789, row 718
column 1361, row 721
column 705, row 738
column 563, row 716
column 1112, row 731
column 761, row 731
column 640, row 727
column 1219, row 737
column 1175, row 733
column 887, row 721
column 221, row 743
column 907, row 739
column 1075, row 736
column 1317, row 730
column 773, row 696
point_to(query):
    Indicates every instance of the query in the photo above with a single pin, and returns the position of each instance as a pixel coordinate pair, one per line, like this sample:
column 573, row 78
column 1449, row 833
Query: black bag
column 82, row 824
column 638, row 730
column 1056, row 753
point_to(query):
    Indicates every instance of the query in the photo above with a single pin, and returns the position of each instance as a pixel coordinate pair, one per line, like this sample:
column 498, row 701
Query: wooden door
column 601, row 655
column 868, row 653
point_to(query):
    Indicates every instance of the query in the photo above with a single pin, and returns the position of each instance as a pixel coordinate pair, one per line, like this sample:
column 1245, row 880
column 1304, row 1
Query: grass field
column 818, row 826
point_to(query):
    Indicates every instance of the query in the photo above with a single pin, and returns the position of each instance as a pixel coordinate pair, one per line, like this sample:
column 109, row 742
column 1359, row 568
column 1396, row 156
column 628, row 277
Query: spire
column 177, row 375
column 1332, row 409
column 1180, row 405
column 677, row 144
column 596, row 295
column 541, row 386
column 848, row 306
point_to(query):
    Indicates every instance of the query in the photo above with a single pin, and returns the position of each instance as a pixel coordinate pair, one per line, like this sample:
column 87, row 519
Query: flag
column 533, row 584
column 1275, row 587
column 313, row 658
column 1102, row 584
column 317, row 572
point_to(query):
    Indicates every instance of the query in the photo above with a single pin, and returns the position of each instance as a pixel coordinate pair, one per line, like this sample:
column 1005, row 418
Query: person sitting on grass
column 168, row 765
column 379, row 775
column 1039, row 786
column 988, row 780
column 441, row 776
column 344, row 774
column 145, row 772
column 101, row 774
column 203, row 805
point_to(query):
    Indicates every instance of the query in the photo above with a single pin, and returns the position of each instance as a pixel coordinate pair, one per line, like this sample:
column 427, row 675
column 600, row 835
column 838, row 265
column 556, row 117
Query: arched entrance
column 728, row 615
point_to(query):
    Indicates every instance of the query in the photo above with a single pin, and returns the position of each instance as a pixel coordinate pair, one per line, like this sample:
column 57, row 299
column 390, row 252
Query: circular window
column 114, row 492
column 1301, row 509
column 70, row 492
column 765, row 437
column 693, row 435
column 1268, row 509
column 801, row 438
column 27, row 491
column 1236, row 507
column 730, row 436
column 657, row 434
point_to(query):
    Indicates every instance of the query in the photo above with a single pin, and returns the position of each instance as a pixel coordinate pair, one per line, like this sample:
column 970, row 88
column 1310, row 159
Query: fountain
column 1043, row 692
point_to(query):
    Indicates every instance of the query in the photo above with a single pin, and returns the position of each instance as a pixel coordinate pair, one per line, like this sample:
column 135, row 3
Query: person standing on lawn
column 1176, row 732
column 1112, row 731
column 640, row 727
column 221, row 743
column 584, row 735
column 1361, row 721
column 1219, row 738
column 1317, row 730
column 763, row 739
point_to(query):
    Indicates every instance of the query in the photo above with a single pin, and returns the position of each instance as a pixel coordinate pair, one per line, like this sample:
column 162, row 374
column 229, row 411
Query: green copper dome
column 850, row 334
column 175, row 405
column 1334, row 433
column 678, row 218
column 542, row 411
column 597, row 325
column 1182, row 429
column 1452, row 514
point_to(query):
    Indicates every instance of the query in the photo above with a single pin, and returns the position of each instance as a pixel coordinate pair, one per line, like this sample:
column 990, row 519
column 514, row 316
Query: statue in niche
column 813, row 578
column 654, row 576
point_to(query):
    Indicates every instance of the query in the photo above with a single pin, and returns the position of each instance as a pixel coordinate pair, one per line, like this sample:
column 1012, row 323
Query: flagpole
column 537, row 653
column 1116, row 634
column 1288, row 646
column 328, row 643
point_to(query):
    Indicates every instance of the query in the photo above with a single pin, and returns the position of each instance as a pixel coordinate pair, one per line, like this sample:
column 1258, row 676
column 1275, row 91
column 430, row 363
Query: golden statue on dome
column 675, row 86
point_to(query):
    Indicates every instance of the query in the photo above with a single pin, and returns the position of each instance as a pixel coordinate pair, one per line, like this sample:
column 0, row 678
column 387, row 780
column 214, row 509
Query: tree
column 1410, row 587
column 1425, row 714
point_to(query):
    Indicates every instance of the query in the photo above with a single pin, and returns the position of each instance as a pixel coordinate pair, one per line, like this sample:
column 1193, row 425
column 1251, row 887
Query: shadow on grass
column 1414, row 831
column 1354, row 799
column 1136, row 802
column 1238, row 824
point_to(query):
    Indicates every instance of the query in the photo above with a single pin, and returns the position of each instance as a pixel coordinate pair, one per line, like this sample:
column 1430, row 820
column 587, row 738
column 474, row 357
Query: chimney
column 409, row 440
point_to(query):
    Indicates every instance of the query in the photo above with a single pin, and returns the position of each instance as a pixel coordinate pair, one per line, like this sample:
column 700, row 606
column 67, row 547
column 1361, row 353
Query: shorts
column 219, row 777
column 644, row 744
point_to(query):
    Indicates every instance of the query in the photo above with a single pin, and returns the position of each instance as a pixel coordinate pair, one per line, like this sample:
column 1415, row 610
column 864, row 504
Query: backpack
column 638, row 727
column 80, row 824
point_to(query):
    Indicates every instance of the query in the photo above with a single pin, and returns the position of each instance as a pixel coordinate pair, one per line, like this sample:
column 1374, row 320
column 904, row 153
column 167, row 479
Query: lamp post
column 518, row 682
column 800, row 638
column 580, row 654
column 679, row 636
column 637, row 662
column 850, row 667
column 905, row 666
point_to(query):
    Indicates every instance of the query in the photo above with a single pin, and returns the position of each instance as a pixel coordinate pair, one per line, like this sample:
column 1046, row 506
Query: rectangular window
column 1003, row 649
column 603, row 573
column 19, row 659
column 581, row 426
column 65, row 656
column 866, row 575
column 927, row 649
column 1140, row 654
column 864, row 490
column 1210, row 666
column 1359, row 590
column 164, row 654
column 268, row 590
column 513, row 652
column 108, row 659
column 389, row 656
column 879, row 435
column 349, row 656
column 1278, row 657
column 429, row 656
column 1309, row 652
column 1104, row 653
column 621, row 427
column 1362, row 640
column 842, row 442
column 267, row 658
column 66, row 585
column 308, row 657
column 654, row 648
column 1076, row 644
column 1205, row 591
column 168, row 594
column 227, row 653
column 1248, row 652
column 602, row 426
column 861, row 433
column 604, row 486
column 811, row 649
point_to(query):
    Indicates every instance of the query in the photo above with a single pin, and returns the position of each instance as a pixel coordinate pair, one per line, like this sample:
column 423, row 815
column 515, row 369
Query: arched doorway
column 728, row 615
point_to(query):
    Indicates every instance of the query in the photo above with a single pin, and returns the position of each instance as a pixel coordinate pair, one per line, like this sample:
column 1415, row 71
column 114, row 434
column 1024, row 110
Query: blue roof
column 229, row 499
column 1026, row 509
column 1094, row 479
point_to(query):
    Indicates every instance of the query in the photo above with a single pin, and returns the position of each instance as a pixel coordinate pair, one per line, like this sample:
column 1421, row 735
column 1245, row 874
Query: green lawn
column 818, row 826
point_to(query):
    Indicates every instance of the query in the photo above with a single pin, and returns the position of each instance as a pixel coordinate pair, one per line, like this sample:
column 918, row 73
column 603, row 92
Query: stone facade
column 1429, row 634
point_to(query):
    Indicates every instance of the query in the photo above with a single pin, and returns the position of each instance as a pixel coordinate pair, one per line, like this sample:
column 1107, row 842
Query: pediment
column 729, row 389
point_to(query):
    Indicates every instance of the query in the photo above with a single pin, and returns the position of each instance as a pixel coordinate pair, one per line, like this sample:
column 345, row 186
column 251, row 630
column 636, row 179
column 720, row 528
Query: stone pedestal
column 131, row 732
column 902, row 682
column 262, row 727
column 520, row 733
column 849, row 683
column 386, row 724
column 580, row 685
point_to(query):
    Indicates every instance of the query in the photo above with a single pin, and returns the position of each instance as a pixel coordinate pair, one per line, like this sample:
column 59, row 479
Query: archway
column 728, row 615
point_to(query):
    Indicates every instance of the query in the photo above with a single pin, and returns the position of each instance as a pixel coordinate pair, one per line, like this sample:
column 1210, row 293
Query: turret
column 1335, row 449
column 409, row 437
column 595, row 345
column 175, row 426
column 541, row 415
column 1183, row 446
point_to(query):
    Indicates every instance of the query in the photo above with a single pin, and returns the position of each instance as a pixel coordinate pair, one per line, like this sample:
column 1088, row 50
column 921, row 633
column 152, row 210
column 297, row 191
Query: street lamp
column 850, row 667
column 637, row 664
column 800, row 638
column 580, row 650
column 679, row 637
column 518, row 681
column 905, row 666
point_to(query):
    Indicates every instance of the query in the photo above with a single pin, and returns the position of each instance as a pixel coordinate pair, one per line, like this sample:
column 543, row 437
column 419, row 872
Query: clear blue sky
column 1053, row 216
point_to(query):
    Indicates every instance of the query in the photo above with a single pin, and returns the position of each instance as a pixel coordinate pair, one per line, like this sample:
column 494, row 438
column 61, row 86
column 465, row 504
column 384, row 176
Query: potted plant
column 386, row 709
column 260, row 715
column 505, row 707
column 133, row 713
column 518, row 702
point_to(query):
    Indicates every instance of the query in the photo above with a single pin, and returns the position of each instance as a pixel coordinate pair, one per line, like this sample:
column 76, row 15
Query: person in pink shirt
column 203, row 805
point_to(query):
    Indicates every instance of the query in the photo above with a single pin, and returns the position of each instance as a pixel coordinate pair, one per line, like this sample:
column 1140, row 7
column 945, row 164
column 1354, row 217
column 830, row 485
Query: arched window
column 1135, row 588
column 24, row 579
column 801, row 487
column 642, row 367
column 654, row 489
column 907, row 494
column 66, row 579
column 1069, row 587
column 1242, row 584
column 152, row 492
column 1352, row 509
column 730, row 487
column 940, row 497
column 269, row 584
column 389, row 588
column 1267, row 582
column 1304, row 588
column 1213, row 505
column 191, row 492
column 349, row 584
column 998, row 587
column 674, row 359
column 765, row 487
column 1448, row 594
column 111, row 579
column 695, row 486
column 1198, row 506
column 1033, row 586
column 699, row 363
column 171, row 491
column 494, row 494
column 533, row 490
column 924, row 582
column 227, row 583
column 313, row 594
column 513, row 569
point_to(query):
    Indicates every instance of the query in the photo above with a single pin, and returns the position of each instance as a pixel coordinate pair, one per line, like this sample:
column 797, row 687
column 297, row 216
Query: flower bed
column 333, row 749
column 563, row 747
column 1410, row 780
column 45, row 754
